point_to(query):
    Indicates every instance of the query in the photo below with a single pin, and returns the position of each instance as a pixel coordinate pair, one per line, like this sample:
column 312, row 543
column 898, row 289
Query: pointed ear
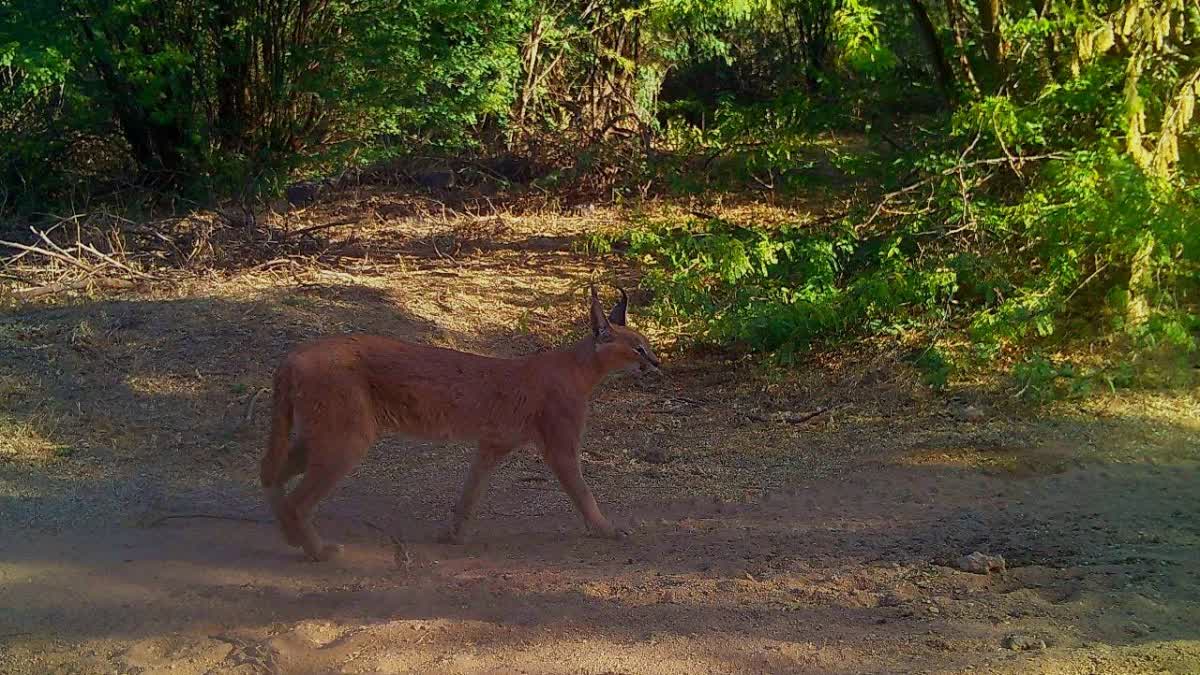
column 601, row 330
column 617, row 315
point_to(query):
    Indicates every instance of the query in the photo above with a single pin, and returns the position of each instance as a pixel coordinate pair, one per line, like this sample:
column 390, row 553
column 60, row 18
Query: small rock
column 351, row 250
column 1137, row 629
column 435, row 180
column 979, row 563
column 938, row 644
column 891, row 599
column 1021, row 643
column 970, row 414
column 654, row 455
column 302, row 194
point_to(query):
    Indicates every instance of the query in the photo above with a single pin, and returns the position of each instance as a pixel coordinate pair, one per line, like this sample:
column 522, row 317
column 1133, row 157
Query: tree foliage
column 1058, row 197
column 186, row 92
column 1033, row 162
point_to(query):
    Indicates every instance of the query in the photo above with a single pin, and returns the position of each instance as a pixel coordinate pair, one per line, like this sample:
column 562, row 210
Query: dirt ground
column 133, row 538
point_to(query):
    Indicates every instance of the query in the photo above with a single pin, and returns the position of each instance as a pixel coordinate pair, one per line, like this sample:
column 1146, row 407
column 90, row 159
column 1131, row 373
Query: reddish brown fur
column 334, row 397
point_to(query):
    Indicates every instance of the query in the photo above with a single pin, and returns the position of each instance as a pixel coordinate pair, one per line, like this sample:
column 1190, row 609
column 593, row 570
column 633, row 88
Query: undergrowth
column 985, row 278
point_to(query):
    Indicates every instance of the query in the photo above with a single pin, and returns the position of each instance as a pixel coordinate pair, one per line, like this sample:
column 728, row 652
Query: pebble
column 939, row 644
column 970, row 414
column 1021, row 643
column 1137, row 629
column 980, row 563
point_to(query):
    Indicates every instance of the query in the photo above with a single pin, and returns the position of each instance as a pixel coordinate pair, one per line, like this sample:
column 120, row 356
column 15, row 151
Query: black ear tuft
column 617, row 315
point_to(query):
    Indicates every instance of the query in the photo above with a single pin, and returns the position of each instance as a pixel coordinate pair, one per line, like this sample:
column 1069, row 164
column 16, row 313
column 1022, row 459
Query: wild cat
column 334, row 397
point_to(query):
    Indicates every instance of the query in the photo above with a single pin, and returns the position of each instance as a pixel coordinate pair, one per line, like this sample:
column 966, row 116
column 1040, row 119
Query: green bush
column 779, row 290
column 1057, row 203
column 219, row 95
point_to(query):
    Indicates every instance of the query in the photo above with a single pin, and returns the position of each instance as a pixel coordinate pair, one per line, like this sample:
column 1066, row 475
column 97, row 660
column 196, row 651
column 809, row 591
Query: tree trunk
column 1043, row 8
column 933, row 45
column 1141, row 268
column 993, row 42
column 530, row 53
column 957, row 21
column 1141, row 282
column 232, row 76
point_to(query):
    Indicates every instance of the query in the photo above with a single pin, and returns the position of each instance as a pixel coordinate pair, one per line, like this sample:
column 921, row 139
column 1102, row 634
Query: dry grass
column 504, row 276
column 29, row 439
column 233, row 296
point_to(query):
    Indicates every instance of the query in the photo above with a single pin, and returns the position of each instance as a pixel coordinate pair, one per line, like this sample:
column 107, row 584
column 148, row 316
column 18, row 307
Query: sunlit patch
column 159, row 384
column 995, row 460
column 1157, row 413
column 30, row 439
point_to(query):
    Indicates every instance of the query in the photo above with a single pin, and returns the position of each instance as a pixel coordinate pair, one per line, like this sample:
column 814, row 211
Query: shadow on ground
column 1097, row 556
column 757, row 546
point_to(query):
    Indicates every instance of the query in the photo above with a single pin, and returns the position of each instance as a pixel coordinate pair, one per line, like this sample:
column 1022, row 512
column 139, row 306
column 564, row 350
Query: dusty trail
column 757, row 546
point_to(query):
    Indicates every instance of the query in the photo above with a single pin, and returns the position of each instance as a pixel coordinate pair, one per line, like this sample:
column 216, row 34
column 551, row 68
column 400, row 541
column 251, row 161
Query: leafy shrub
column 779, row 290
column 221, row 94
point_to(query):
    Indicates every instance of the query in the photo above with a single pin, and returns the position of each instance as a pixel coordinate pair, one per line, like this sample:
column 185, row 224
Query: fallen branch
column 210, row 516
column 12, row 260
column 1012, row 161
column 249, row 417
column 274, row 262
column 15, row 277
column 112, row 261
column 380, row 530
column 53, row 251
column 322, row 226
column 65, row 286
column 796, row 419
column 62, row 257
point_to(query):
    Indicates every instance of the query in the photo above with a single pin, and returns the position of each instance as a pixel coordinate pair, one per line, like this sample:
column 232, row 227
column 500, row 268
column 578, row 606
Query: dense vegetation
column 1027, row 171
